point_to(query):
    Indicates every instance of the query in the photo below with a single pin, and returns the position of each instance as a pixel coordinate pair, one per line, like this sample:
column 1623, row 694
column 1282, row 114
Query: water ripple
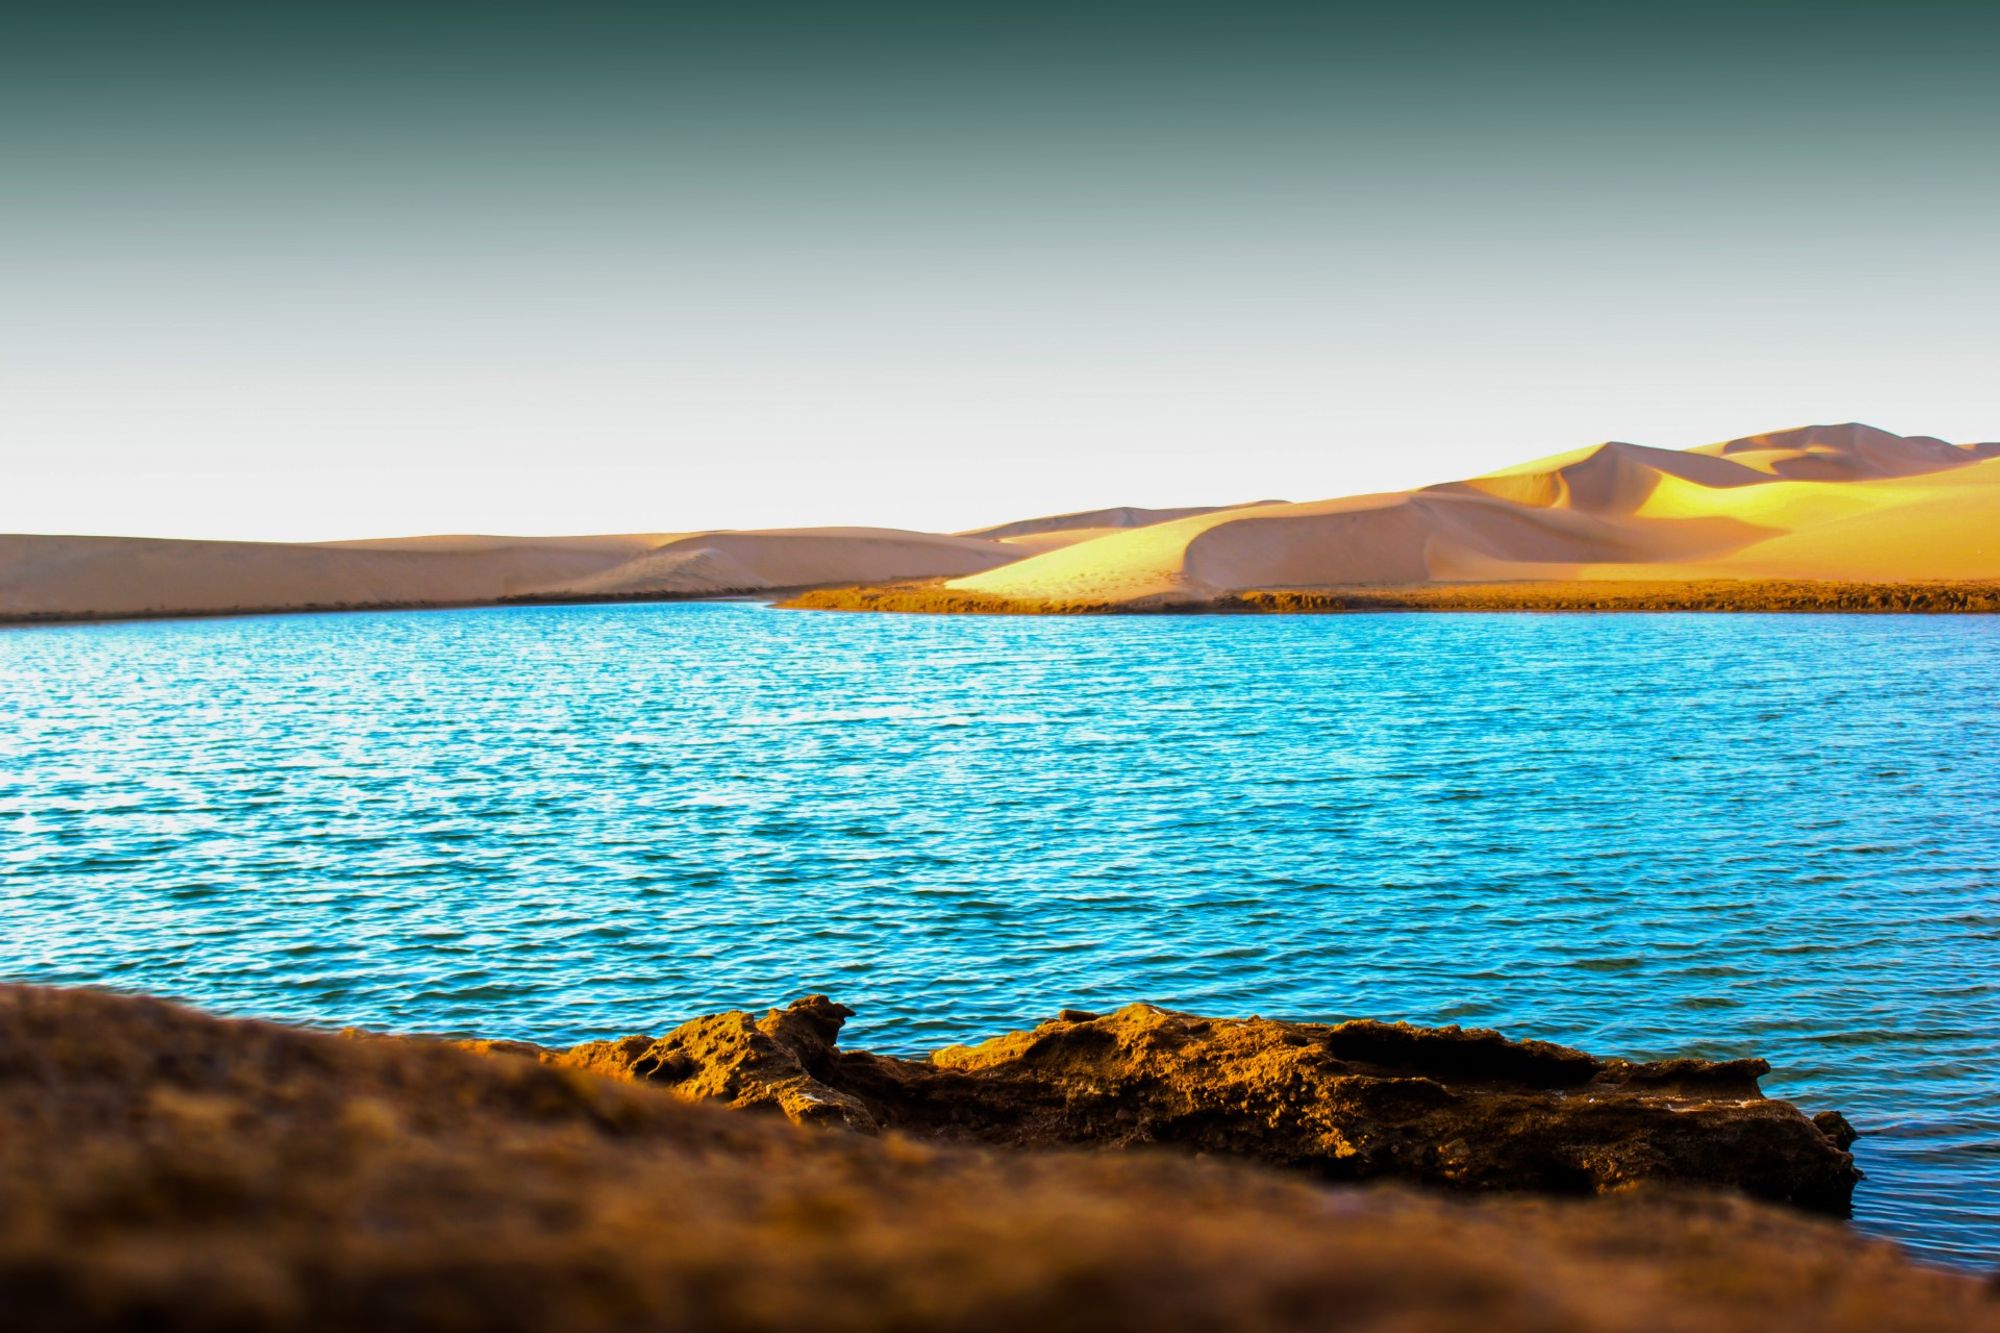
column 1645, row 835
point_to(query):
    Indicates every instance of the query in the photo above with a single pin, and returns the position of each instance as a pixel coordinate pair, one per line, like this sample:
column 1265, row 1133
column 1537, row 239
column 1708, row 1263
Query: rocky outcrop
column 1354, row 1102
column 164, row 1170
column 780, row 1062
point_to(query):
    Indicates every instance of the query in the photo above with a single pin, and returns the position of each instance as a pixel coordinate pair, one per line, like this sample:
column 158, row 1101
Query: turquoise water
column 1642, row 835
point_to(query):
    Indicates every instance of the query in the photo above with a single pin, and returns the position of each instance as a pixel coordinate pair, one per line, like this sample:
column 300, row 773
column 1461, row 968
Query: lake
column 1645, row 835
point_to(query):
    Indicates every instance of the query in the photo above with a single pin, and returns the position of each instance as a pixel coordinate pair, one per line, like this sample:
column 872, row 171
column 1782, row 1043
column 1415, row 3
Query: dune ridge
column 1100, row 520
column 1846, row 503
column 1847, row 508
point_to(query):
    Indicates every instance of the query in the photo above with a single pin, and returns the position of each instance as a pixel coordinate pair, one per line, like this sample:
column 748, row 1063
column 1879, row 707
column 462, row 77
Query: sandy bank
column 1756, row 595
column 168, row 1170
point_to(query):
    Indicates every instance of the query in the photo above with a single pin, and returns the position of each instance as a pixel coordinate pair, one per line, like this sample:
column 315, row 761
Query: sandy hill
column 57, row 578
column 1097, row 521
column 1843, row 502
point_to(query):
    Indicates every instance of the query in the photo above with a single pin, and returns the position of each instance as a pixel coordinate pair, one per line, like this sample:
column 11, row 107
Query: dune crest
column 1846, row 502
column 1098, row 520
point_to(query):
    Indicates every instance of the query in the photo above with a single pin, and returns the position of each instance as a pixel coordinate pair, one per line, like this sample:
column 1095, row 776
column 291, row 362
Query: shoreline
column 21, row 620
column 1749, row 596
column 1968, row 597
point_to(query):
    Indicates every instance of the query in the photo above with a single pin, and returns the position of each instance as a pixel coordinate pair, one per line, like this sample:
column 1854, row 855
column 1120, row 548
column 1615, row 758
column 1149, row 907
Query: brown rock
column 770, row 1063
column 164, row 1170
column 1360, row 1101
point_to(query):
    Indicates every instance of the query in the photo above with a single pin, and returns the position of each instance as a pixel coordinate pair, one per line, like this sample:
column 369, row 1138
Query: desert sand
column 1842, row 505
column 1099, row 521
column 71, row 578
column 1838, row 503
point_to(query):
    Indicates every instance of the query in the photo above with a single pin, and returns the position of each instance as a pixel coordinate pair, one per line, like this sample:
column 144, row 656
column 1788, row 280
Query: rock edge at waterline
column 169, row 1170
column 1359, row 1101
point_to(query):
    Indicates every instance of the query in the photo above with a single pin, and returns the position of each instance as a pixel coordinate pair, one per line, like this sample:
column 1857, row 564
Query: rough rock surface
column 164, row 1170
column 1358, row 1101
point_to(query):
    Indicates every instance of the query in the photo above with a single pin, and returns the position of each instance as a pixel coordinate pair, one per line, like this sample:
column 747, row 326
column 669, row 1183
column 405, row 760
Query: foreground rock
column 1361, row 1101
column 165, row 1170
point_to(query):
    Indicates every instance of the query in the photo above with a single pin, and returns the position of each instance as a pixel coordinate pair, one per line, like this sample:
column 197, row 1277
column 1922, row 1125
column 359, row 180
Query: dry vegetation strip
column 1982, row 598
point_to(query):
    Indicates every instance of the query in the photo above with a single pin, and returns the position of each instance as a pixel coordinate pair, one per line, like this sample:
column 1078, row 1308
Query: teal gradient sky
column 297, row 271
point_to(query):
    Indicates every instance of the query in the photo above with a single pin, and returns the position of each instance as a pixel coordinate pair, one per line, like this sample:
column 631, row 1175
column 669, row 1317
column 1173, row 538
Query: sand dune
column 1850, row 452
column 1944, row 525
column 1030, row 543
column 1099, row 520
column 71, row 578
column 724, row 562
column 1848, row 503
column 58, row 578
column 1824, row 502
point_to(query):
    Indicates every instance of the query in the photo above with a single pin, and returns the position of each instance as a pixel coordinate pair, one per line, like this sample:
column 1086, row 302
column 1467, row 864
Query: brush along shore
column 1744, row 595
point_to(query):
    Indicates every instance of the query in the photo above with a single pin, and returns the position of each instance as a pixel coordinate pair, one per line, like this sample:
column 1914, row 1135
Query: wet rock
column 1834, row 1125
column 1354, row 1102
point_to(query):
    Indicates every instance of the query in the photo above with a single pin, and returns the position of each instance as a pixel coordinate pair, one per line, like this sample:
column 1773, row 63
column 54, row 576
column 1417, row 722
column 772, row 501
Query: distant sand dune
column 1120, row 517
column 720, row 562
column 1825, row 502
column 1846, row 503
column 59, row 578
column 67, row 577
column 1031, row 543
column 1850, row 452
column 1943, row 525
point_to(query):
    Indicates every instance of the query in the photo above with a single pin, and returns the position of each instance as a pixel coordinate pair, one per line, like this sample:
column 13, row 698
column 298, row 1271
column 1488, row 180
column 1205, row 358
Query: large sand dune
column 1824, row 502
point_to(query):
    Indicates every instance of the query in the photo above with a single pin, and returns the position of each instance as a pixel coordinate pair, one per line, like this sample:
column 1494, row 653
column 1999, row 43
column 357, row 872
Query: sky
column 309, row 271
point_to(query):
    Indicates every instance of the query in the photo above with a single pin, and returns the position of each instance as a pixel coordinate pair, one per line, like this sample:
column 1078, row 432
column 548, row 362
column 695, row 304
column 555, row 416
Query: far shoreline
column 935, row 597
column 1966, row 597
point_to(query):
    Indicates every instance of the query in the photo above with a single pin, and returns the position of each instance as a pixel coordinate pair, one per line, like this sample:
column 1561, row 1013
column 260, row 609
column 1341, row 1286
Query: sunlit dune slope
column 1839, row 502
column 75, row 577
column 1097, row 520
column 1031, row 543
column 719, row 562
column 1030, row 536
column 1851, row 452
column 1944, row 525
column 1846, row 503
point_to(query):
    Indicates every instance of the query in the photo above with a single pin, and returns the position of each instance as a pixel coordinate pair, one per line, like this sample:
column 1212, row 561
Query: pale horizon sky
column 328, row 272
